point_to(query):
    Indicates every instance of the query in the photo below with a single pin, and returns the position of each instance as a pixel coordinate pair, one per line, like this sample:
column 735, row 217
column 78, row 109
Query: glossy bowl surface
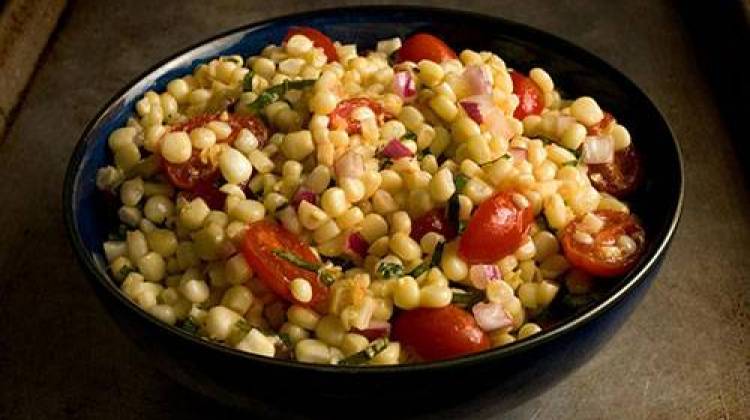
column 507, row 375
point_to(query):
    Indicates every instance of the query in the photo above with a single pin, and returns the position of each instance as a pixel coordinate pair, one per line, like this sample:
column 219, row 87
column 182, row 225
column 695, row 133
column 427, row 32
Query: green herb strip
column 274, row 93
column 125, row 271
column 388, row 270
column 325, row 276
column 247, row 82
column 468, row 299
column 434, row 261
column 190, row 326
column 369, row 353
column 296, row 260
column 409, row 136
column 460, row 181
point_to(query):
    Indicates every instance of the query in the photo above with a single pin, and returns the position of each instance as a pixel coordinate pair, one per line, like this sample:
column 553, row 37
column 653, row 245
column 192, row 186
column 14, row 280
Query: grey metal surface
column 684, row 354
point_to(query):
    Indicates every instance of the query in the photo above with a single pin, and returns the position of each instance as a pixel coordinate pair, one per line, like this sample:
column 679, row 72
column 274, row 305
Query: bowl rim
column 633, row 279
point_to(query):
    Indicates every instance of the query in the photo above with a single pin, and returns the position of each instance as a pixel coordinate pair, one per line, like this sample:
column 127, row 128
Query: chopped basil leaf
column 190, row 326
column 247, row 82
column 274, row 93
column 369, row 353
column 242, row 326
column 409, row 136
column 434, row 261
column 326, row 277
column 385, row 163
column 125, row 271
column 388, row 270
column 296, row 260
column 452, row 210
column 468, row 299
column 460, row 180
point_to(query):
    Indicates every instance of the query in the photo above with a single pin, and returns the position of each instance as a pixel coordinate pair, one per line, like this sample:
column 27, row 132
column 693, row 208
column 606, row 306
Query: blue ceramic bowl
column 506, row 375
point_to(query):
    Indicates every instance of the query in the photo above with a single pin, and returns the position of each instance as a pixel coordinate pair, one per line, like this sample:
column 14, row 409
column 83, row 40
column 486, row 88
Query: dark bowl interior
column 507, row 375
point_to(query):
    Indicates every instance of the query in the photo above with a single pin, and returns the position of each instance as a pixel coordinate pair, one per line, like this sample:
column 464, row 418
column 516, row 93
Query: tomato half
column 439, row 333
column 199, row 178
column 434, row 220
column 495, row 230
column 319, row 39
column 619, row 177
column 341, row 116
column 261, row 240
column 425, row 47
column 530, row 96
column 603, row 257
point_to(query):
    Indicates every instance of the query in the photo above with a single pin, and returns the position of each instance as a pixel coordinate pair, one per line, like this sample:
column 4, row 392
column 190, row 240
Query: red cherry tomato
column 199, row 177
column 530, row 96
column 495, row 230
column 341, row 116
column 261, row 240
column 433, row 221
column 619, row 177
column 186, row 176
column 604, row 257
column 425, row 47
column 319, row 39
column 439, row 333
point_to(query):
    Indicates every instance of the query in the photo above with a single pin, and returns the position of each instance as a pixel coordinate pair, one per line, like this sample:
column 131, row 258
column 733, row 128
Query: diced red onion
column 303, row 194
column 491, row 316
column 375, row 329
column 404, row 86
column 473, row 111
column 357, row 244
column 478, row 82
column 395, row 149
column 497, row 124
column 518, row 153
column 598, row 149
column 351, row 164
column 481, row 274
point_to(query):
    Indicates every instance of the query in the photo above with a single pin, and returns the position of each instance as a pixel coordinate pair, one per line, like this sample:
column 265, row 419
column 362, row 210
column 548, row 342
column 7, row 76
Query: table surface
column 683, row 354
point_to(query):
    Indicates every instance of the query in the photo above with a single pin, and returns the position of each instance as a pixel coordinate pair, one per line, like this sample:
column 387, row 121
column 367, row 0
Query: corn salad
column 375, row 174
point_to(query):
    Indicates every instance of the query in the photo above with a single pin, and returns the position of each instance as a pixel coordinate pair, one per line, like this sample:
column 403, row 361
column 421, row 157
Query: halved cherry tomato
column 186, row 176
column 603, row 257
column 530, row 96
column 433, row 221
column 495, row 230
column 198, row 178
column 341, row 116
column 425, row 47
column 252, row 123
column 439, row 333
column 619, row 177
column 319, row 40
column 599, row 127
column 261, row 240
